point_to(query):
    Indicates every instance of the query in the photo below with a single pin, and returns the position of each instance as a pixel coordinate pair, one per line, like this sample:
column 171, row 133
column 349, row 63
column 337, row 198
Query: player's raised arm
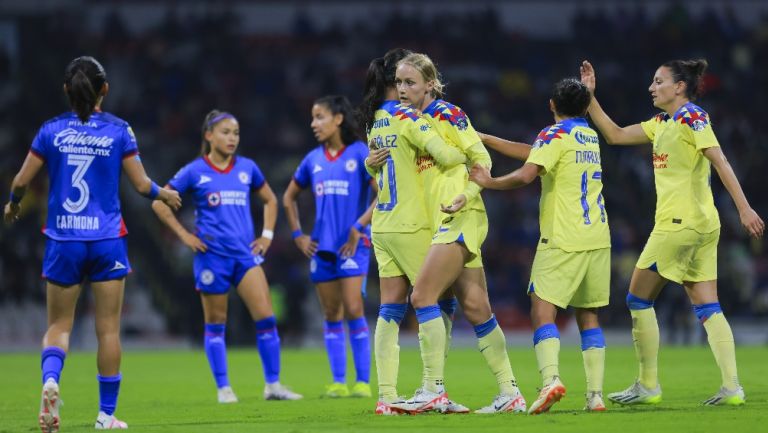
column 613, row 133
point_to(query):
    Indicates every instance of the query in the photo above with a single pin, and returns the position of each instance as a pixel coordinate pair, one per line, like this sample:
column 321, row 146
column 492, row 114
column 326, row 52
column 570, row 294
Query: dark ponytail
column 337, row 104
column 211, row 120
column 690, row 72
column 380, row 76
column 84, row 78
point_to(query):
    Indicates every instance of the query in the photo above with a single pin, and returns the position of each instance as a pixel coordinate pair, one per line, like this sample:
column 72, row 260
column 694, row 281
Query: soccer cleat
column 726, row 397
column 636, row 394
column 49, row 407
column 386, row 408
column 428, row 401
column 336, row 390
column 109, row 422
column 548, row 396
column 361, row 389
column 595, row 402
column 453, row 407
column 277, row 391
column 226, row 395
column 506, row 403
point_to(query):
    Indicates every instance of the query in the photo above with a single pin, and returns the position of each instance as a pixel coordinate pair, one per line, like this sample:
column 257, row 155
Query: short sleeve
column 545, row 153
column 130, row 147
column 303, row 174
column 649, row 127
column 257, row 177
column 181, row 181
column 701, row 132
column 40, row 144
column 465, row 132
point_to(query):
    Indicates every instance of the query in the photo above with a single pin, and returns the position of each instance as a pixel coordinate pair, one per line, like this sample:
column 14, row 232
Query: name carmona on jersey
column 77, row 222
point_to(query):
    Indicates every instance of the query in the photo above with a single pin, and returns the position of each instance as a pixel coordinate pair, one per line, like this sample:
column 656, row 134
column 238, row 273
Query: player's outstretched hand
column 752, row 223
column 260, row 246
column 457, row 205
column 306, row 245
column 170, row 197
column 480, row 175
column 11, row 214
column 194, row 243
column 350, row 246
column 376, row 158
column 588, row 76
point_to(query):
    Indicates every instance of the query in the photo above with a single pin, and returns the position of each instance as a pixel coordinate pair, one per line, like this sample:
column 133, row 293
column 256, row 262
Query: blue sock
column 486, row 327
column 216, row 350
column 544, row 332
column 592, row 338
column 52, row 362
column 268, row 343
column 425, row 314
column 337, row 350
column 360, row 340
column 396, row 312
column 109, row 388
column 705, row 311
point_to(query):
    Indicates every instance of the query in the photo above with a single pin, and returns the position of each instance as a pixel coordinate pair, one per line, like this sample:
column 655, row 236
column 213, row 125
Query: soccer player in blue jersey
column 227, row 253
column 85, row 151
column 339, row 246
column 683, row 244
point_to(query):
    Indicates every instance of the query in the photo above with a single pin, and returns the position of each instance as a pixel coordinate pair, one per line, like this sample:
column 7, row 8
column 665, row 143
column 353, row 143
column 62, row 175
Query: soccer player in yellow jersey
column 459, row 228
column 683, row 244
column 572, row 264
column 400, row 227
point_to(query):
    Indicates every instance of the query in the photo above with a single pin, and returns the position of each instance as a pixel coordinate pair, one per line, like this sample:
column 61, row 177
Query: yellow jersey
column 442, row 185
column 400, row 203
column 682, row 173
column 572, row 214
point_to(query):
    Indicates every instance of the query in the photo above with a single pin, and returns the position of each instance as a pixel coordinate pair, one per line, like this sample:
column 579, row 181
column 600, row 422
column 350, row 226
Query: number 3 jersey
column 222, row 202
column 572, row 213
column 84, row 161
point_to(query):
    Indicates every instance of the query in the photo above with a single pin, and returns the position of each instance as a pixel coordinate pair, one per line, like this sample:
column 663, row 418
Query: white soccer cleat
column 277, row 391
column 595, row 402
column 226, row 395
column 109, row 422
column 506, row 403
column 426, row 401
column 453, row 407
column 548, row 396
column 726, row 397
column 49, row 407
column 636, row 394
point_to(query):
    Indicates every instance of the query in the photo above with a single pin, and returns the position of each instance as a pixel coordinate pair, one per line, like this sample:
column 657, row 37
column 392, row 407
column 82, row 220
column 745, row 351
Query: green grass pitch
column 172, row 391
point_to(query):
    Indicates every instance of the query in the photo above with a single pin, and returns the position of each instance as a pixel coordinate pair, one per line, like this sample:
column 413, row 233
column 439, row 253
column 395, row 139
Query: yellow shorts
column 469, row 227
column 401, row 253
column 683, row 255
column 581, row 279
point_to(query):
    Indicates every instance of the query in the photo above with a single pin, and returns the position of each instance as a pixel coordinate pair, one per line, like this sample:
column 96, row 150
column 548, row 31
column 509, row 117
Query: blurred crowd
column 164, row 80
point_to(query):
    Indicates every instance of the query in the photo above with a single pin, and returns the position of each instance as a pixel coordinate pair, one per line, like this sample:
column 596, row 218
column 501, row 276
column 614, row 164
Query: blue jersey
column 342, row 192
column 222, row 202
column 84, row 163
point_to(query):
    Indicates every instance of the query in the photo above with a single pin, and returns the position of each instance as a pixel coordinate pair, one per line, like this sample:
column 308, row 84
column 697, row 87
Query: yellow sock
column 594, row 368
column 387, row 354
column 547, row 353
column 432, row 344
column 493, row 346
column 448, row 328
column 721, row 341
column 645, row 336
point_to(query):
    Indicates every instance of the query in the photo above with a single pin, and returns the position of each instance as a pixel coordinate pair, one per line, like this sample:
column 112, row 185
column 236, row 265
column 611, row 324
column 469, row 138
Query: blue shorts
column 69, row 262
column 215, row 273
column 328, row 266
